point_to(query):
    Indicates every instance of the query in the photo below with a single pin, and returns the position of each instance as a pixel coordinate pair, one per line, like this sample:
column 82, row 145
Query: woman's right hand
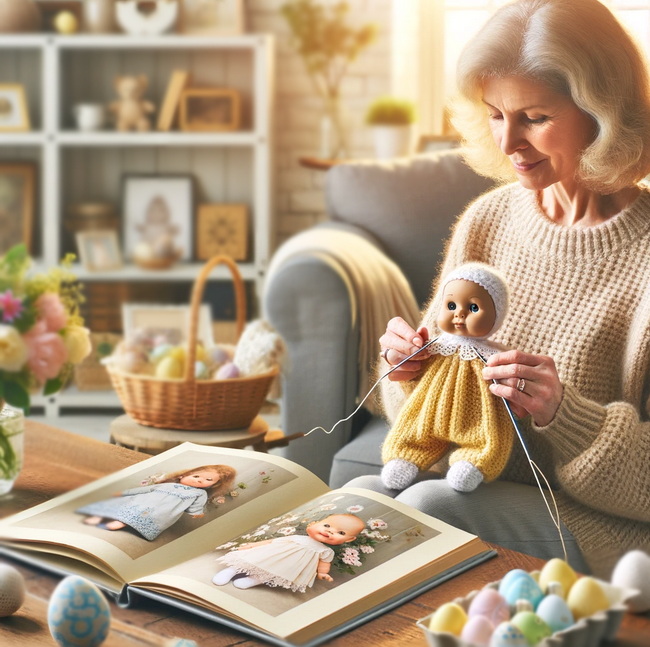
column 398, row 342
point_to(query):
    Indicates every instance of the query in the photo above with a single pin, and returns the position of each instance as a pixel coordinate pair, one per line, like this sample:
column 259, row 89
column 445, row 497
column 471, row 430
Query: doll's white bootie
column 398, row 474
column 224, row 576
column 464, row 477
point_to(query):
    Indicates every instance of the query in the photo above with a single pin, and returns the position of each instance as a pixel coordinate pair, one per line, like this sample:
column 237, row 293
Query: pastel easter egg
column 227, row 371
column 523, row 587
column 477, row 631
column 78, row 614
column 490, row 604
column 557, row 570
column 508, row 635
column 532, row 626
column 587, row 597
column 12, row 590
column 218, row 355
column 633, row 572
column 555, row 612
column 510, row 576
column 200, row 371
column 159, row 351
column 450, row 618
column 169, row 367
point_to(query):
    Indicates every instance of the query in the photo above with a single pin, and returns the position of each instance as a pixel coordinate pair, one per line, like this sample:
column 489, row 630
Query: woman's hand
column 530, row 383
column 397, row 343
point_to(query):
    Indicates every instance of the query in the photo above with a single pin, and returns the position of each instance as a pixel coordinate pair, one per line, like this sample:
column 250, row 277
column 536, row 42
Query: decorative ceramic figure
column 150, row 23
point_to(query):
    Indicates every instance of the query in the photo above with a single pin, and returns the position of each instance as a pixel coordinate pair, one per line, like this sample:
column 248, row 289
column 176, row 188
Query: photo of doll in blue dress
column 151, row 509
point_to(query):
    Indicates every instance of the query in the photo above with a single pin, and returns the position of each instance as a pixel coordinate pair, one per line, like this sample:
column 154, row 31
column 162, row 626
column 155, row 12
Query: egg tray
column 586, row 632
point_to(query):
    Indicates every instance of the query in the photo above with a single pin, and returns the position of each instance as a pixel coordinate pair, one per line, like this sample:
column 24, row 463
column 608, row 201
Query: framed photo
column 99, row 250
column 177, row 83
column 17, row 204
column 50, row 8
column 214, row 17
column 157, row 211
column 222, row 229
column 428, row 143
column 171, row 321
column 210, row 109
column 14, row 115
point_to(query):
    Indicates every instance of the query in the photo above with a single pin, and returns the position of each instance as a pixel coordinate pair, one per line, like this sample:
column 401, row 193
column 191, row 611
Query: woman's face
column 542, row 131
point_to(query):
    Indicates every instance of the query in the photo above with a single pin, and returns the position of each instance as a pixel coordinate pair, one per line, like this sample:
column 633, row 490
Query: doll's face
column 467, row 309
column 203, row 479
column 336, row 529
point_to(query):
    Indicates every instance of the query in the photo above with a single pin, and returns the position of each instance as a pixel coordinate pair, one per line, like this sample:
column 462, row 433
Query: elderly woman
column 555, row 95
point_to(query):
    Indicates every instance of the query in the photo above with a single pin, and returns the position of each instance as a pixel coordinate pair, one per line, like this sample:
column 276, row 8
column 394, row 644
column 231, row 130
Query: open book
column 249, row 539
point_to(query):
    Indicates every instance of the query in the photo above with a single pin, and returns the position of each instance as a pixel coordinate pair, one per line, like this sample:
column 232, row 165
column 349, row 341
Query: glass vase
column 12, row 432
column 334, row 135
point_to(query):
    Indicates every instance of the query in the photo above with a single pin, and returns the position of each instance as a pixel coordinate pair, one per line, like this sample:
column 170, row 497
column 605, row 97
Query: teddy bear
column 131, row 109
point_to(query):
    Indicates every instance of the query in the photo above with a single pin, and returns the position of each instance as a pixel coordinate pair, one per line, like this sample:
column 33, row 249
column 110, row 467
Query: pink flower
column 350, row 556
column 10, row 305
column 46, row 352
column 51, row 311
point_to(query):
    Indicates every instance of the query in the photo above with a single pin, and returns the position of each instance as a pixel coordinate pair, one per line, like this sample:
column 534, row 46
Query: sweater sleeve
column 592, row 443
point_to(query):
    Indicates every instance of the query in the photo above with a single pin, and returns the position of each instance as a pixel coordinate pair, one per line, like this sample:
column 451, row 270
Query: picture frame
column 17, row 204
column 429, row 143
column 222, row 229
column 14, row 114
column 178, row 81
column 157, row 209
column 99, row 250
column 210, row 109
column 173, row 321
column 212, row 17
column 50, row 8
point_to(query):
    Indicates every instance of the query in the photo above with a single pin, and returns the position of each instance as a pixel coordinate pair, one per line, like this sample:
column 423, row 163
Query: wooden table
column 50, row 470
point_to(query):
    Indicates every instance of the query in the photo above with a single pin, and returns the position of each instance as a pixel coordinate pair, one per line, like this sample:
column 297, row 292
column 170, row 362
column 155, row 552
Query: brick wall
column 299, row 191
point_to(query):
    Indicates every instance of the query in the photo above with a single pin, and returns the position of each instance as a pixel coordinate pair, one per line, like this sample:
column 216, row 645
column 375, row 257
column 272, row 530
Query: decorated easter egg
column 477, row 631
column 633, row 572
column 227, row 371
column 218, row 355
column 532, row 626
column 587, row 597
column 522, row 587
column 490, row 604
column 201, row 371
column 508, row 635
column 450, row 617
column 169, row 367
column 159, row 351
column 555, row 612
column 510, row 576
column 78, row 614
column 557, row 570
column 12, row 590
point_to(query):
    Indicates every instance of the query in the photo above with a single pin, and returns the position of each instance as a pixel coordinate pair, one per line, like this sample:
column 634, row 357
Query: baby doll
column 150, row 509
column 452, row 407
column 293, row 562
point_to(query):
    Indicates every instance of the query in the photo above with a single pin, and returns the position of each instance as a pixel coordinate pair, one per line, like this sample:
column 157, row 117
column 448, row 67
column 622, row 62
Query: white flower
column 366, row 549
column 350, row 556
column 328, row 506
column 377, row 524
column 230, row 544
column 13, row 350
column 353, row 509
column 259, row 533
column 287, row 530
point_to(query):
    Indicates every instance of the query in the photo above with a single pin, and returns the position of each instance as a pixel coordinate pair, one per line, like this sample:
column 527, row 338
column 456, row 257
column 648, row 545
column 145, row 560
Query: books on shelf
column 248, row 539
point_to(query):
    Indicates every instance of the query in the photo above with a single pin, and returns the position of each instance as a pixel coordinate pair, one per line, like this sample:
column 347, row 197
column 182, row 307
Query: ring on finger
column 384, row 355
column 521, row 384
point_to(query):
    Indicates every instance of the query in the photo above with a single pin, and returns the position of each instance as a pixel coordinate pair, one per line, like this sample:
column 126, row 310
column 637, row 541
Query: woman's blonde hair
column 578, row 48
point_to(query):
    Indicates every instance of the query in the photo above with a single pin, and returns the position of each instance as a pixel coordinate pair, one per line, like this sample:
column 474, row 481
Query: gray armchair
column 405, row 207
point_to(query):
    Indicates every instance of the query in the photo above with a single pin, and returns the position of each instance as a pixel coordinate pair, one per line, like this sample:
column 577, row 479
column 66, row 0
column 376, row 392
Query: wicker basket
column 188, row 403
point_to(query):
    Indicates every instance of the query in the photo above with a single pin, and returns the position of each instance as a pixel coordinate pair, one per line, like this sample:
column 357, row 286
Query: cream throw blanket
column 376, row 287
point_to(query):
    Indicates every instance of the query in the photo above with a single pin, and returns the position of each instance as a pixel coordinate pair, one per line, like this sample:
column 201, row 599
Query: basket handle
column 197, row 298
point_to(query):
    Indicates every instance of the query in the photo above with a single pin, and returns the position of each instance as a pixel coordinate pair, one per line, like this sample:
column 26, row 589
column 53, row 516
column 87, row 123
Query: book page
column 392, row 548
column 163, row 522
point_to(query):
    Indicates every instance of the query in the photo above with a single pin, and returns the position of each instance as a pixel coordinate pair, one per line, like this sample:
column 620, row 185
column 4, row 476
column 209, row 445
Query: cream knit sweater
column 581, row 296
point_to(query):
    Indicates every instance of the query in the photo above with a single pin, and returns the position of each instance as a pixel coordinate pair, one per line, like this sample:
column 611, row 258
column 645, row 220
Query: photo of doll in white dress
column 293, row 562
column 151, row 509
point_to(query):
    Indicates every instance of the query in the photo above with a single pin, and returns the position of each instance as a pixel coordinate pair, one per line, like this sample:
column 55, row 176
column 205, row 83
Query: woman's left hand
column 530, row 384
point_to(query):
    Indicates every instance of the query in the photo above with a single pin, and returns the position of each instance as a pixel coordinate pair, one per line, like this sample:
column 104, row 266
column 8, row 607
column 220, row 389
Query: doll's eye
column 451, row 306
column 473, row 308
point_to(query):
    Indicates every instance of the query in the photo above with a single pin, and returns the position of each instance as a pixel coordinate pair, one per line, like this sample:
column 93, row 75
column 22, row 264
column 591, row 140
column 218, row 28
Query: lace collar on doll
column 466, row 347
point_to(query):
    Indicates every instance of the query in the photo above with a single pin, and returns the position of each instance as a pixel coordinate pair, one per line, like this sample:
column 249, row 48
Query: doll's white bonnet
column 488, row 278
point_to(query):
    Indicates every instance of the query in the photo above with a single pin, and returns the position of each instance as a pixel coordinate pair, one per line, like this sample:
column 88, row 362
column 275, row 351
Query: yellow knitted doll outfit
column 452, row 408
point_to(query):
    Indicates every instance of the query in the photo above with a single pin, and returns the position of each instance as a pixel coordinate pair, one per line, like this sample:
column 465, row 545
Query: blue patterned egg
column 507, row 635
column 555, row 612
column 522, row 587
column 78, row 614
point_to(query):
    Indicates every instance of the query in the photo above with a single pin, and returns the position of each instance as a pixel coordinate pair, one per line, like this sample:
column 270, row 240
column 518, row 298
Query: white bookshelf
column 231, row 167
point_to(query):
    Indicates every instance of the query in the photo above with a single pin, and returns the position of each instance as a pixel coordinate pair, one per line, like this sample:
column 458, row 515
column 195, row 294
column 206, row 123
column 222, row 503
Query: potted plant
column 327, row 46
column 391, row 120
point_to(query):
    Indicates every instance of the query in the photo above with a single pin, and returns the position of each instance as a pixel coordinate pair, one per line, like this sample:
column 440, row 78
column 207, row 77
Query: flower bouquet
column 41, row 337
